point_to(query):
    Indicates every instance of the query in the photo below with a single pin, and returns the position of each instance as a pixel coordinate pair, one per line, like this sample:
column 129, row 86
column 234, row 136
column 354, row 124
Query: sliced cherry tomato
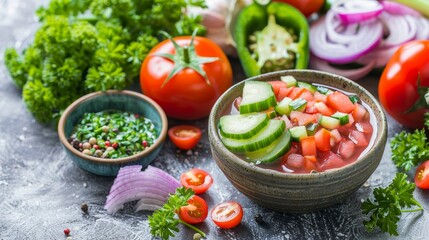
column 227, row 214
column 422, row 176
column 196, row 179
column 185, row 136
column 306, row 7
column 195, row 212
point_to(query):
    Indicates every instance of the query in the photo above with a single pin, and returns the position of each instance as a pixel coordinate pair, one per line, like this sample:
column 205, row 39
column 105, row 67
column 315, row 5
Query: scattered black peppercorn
column 84, row 208
column 75, row 143
column 259, row 219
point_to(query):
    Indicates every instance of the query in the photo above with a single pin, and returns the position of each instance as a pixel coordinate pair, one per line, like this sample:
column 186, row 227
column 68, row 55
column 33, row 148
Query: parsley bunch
column 91, row 45
column 388, row 205
column 409, row 149
column 163, row 222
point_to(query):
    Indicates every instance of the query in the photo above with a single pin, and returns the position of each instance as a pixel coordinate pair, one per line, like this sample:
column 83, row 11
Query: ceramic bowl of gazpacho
column 297, row 140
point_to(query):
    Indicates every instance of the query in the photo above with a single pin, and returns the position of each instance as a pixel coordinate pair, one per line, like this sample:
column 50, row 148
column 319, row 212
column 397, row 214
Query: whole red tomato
column 307, row 7
column 187, row 93
column 404, row 82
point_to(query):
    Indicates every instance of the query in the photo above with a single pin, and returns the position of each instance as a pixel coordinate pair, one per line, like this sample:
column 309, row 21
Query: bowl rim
column 135, row 157
column 378, row 142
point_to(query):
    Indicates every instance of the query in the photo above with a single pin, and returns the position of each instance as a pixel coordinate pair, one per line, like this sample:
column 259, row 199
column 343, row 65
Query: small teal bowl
column 112, row 100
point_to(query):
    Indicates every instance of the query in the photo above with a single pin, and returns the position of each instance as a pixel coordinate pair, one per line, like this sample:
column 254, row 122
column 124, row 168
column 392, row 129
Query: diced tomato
column 277, row 85
column 284, row 92
column 307, row 95
column 296, row 92
column 318, row 97
column 358, row 138
column 351, row 120
column 340, row 102
column 309, row 165
column 323, row 109
column 295, row 160
column 359, row 112
column 301, row 118
column 331, row 161
column 310, row 108
column 364, row 127
column 344, row 130
column 308, row 146
column 336, row 136
column 287, row 121
column 346, row 149
column 311, row 158
column 323, row 138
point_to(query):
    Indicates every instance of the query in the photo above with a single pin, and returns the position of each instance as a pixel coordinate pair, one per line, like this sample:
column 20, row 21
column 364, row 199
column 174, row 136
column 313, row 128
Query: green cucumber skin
column 329, row 122
column 283, row 107
column 343, row 117
column 262, row 139
column 298, row 132
column 272, row 152
column 250, row 105
column 308, row 86
column 247, row 132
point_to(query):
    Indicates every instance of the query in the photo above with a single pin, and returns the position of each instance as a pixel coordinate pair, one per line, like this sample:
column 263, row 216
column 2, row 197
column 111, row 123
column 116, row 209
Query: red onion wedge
column 353, row 74
column 423, row 28
column 152, row 187
column 399, row 9
column 350, row 48
column 400, row 29
column 356, row 11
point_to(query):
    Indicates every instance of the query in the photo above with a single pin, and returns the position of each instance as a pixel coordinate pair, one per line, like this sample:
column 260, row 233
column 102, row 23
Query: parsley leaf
column 389, row 203
column 409, row 149
column 163, row 222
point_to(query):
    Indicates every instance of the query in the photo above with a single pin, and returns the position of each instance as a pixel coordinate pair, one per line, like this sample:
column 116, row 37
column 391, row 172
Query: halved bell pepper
column 271, row 38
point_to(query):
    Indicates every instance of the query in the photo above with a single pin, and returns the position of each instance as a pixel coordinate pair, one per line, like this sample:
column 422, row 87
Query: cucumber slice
column 263, row 138
column 289, row 80
column 282, row 107
column 242, row 126
column 354, row 98
column 271, row 113
column 298, row 105
column 343, row 117
column 311, row 128
column 329, row 122
column 308, row 86
column 298, row 132
column 257, row 97
column 324, row 90
column 273, row 151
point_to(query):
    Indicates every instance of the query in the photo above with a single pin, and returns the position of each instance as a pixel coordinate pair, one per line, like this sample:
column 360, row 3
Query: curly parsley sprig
column 409, row 149
column 163, row 222
column 388, row 205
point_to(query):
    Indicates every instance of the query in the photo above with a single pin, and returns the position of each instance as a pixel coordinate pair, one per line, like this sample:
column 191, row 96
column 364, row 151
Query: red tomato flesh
column 421, row 178
column 185, row 137
column 196, row 179
column 340, row 102
column 227, row 215
column 195, row 212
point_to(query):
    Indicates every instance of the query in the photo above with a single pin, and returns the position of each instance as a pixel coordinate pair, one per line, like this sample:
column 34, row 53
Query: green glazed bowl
column 112, row 100
column 298, row 193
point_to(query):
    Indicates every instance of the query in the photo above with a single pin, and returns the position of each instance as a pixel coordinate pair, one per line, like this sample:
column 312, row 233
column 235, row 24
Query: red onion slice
column 153, row 185
column 356, row 11
column 323, row 46
column 379, row 55
column 423, row 28
column 399, row 9
column 354, row 74
column 148, row 204
column 401, row 29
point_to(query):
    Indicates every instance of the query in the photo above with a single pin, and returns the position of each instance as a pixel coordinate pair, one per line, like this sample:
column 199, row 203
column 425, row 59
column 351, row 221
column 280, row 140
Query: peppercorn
column 86, row 145
column 259, row 219
column 75, row 144
column 197, row 236
column 144, row 143
column 92, row 140
column 105, row 128
column 98, row 153
column 84, row 208
column 86, row 152
column 67, row 231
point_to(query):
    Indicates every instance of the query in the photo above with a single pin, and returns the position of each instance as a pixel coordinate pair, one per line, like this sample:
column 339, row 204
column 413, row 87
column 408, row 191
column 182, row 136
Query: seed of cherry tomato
column 185, row 136
column 196, row 179
column 227, row 214
column 422, row 176
column 195, row 212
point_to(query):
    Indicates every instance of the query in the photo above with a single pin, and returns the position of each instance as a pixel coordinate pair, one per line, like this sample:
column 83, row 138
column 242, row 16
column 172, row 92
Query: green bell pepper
column 271, row 38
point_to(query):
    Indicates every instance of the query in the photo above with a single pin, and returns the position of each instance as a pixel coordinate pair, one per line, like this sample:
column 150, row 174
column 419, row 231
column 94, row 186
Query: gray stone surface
column 41, row 190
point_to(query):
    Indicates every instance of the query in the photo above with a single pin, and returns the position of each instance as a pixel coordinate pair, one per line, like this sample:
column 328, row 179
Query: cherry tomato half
column 227, row 214
column 185, row 136
column 422, row 176
column 306, row 7
column 195, row 212
column 196, row 179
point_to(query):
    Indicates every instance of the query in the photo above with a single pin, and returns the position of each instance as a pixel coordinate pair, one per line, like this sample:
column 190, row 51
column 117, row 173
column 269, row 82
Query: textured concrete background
column 41, row 190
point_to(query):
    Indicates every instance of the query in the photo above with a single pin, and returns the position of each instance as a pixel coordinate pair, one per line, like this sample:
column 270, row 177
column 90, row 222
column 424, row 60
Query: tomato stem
column 186, row 54
column 423, row 100
column 193, row 228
